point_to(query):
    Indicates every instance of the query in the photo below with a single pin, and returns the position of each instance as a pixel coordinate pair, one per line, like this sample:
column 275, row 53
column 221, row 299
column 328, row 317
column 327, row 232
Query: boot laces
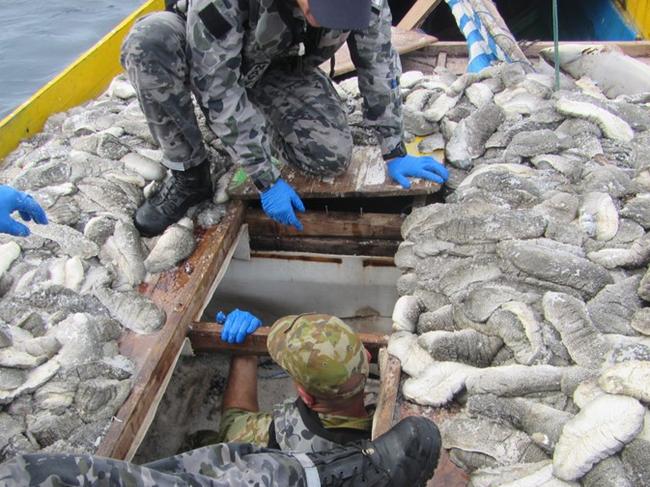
column 368, row 464
column 174, row 193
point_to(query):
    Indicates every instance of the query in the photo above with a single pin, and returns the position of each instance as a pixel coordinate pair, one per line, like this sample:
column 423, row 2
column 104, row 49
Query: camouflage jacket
column 234, row 42
column 295, row 427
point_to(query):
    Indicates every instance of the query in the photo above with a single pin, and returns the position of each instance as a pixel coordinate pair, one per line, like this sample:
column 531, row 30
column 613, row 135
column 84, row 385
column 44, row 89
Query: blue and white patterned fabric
column 483, row 49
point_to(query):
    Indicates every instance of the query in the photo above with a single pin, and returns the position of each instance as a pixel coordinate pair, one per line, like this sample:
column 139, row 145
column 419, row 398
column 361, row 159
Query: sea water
column 39, row 38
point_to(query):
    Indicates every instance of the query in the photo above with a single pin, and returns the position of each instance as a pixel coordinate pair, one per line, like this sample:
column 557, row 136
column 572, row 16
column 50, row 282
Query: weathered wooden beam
column 459, row 48
column 206, row 337
column 322, row 245
column 180, row 292
column 418, row 13
column 390, row 371
column 403, row 41
column 381, row 226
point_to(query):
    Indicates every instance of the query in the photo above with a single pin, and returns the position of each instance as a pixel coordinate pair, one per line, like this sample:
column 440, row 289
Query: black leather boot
column 405, row 456
column 179, row 192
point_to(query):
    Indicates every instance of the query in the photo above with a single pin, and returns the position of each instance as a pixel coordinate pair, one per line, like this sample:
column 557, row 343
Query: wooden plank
column 206, row 337
column 418, row 13
column 339, row 246
column 403, row 41
column 389, row 372
column 459, row 48
column 381, row 226
column 366, row 176
column 83, row 80
column 180, row 292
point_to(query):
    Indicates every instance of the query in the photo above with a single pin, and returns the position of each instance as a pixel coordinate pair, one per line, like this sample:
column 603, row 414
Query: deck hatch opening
column 360, row 290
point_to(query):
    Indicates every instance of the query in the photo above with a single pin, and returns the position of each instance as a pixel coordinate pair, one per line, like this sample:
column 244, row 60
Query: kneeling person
column 329, row 366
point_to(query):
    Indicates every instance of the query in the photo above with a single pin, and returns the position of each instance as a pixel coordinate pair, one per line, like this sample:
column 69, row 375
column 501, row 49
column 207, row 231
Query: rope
column 556, row 45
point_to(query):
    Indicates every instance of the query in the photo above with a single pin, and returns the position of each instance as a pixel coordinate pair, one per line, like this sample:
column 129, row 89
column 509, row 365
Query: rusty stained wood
column 331, row 224
column 365, row 177
column 403, row 40
column 206, row 337
column 321, row 245
column 389, row 372
column 180, row 292
column 418, row 13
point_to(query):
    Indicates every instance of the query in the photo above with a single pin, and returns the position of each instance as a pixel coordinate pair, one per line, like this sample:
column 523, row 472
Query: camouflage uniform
column 216, row 466
column 326, row 357
column 252, row 65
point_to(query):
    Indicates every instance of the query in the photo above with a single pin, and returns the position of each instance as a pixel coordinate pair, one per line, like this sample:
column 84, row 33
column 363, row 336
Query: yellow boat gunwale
column 86, row 78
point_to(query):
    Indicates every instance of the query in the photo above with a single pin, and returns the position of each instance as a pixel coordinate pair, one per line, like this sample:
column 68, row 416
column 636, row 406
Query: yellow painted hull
column 639, row 11
column 83, row 80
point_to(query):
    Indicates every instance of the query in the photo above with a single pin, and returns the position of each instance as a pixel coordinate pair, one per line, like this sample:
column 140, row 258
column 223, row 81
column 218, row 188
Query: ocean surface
column 38, row 39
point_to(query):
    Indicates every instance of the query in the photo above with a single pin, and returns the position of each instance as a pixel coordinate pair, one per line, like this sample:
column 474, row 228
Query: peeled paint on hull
column 599, row 430
column 133, row 310
column 174, row 245
column 629, row 378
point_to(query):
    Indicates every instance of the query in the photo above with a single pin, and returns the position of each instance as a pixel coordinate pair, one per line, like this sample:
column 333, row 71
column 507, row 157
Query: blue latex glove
column 279, row 202
column 13, row 200
column 237, row 325
column 417, row 167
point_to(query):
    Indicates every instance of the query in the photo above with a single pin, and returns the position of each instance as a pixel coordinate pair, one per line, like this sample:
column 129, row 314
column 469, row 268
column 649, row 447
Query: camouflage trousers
column 222, row 465
column 302, row 107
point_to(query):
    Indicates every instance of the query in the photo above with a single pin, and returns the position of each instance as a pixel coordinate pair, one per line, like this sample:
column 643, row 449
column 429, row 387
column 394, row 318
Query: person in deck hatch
column 329, row 366
column 252, row 67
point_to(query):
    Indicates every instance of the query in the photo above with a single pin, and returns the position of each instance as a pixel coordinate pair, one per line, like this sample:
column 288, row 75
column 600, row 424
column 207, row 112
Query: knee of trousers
column 325, row 154
column 155, row 38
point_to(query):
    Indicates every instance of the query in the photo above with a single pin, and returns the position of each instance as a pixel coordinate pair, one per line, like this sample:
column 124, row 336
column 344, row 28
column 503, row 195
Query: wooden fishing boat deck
column 182, row 292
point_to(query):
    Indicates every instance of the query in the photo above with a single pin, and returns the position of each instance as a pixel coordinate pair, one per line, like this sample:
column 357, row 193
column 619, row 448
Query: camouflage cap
column 321, row 353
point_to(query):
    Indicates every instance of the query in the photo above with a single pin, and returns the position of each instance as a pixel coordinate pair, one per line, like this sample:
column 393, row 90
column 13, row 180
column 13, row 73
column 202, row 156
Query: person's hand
column 237, row 325
column 279, row 202
column 424, row 167
column 13, row 200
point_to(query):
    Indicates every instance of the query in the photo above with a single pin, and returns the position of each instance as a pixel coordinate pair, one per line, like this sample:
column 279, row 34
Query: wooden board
column 453, row 55
column 403, row 40
column 366, row 176
column 321, row 245
column 389, row 372
column 180, row 292
column 418, row 13
column 206, row 337
column 332, row 224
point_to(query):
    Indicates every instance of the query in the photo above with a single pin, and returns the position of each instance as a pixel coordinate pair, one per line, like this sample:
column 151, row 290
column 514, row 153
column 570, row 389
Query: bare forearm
column 241, row 389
